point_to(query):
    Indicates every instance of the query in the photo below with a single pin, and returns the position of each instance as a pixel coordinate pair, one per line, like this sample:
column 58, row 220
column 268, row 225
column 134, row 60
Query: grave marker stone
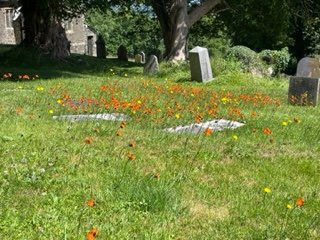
column 152, row 65
column 305, row 86
column 304, row 91
column 143, row 57
column 200, row 65
column 122, row 53
column 101, row 48
column 138, row 58
column 309, row 67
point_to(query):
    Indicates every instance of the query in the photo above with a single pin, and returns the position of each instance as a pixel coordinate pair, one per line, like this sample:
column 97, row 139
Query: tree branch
column 205, row 7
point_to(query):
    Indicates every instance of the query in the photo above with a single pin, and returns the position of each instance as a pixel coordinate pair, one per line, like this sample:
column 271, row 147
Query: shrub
column 249, row 60
column 278, row 60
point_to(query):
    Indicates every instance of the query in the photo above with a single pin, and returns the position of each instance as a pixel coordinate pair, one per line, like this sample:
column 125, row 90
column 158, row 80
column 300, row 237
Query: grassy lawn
column 132, row 180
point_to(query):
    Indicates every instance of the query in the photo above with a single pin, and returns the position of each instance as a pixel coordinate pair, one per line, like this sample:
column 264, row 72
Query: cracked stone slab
column 215, row 125
column 101, row 116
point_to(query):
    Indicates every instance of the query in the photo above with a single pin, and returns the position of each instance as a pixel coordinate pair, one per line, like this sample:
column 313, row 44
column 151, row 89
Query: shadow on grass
column 21, row 60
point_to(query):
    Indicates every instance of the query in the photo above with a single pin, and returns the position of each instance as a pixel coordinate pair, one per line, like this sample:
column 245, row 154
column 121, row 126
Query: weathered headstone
column 152, row 65
column 138, row 58
column 309, row 67
column 200, row 65
column 143, row 57
column 100, row 116
column 214, row 125
column 304, row 91
column 122, row 53
column 101, row 47
column 305, row 86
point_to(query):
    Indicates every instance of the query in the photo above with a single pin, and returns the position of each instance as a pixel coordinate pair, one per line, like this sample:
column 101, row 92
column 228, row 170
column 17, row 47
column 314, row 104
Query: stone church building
column 82, row 38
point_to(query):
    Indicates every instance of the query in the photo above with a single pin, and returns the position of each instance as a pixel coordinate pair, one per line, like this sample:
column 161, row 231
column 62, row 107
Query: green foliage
column 249, row 59
column 252, row 23
column 311, row 33
column 267, row 62
column 279, row 60
column 136, row 31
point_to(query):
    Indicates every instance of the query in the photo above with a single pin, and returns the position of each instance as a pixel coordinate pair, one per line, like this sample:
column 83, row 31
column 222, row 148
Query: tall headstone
column 152, row 65
column 200, row 65
column 122, row 53
column 101, row 48
column 138, row 58
column 143, row 57
column 309, row 67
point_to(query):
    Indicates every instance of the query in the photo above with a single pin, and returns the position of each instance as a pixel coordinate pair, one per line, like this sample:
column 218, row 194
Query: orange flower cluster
column 88, row 140
column 12, row 77
column 160, row 102
column 300, row 202
column 92, row 234
column 267, row 131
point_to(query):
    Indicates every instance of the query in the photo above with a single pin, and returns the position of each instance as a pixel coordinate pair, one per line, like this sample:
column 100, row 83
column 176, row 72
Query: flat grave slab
column 100, row 116
column 214, row 125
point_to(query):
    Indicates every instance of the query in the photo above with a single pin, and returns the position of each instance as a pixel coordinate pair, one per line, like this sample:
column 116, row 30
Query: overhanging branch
column 201, row 10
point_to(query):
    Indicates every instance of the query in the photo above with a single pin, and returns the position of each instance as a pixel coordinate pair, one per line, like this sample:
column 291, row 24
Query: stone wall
column 82, row 39
column 7, row 35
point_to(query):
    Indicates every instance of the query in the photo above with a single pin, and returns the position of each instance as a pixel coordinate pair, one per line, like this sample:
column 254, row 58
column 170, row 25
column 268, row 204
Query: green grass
column 180, row 186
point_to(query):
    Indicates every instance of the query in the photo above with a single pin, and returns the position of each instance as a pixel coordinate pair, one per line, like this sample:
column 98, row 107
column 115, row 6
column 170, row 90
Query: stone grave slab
column 101, row 116
column 151, row 66
column 215, row 125
column 200, row 65
column 308, row 67
column 304, row 91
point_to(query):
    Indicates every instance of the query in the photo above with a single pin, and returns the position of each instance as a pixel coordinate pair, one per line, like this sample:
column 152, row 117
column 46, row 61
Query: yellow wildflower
column 267, row 190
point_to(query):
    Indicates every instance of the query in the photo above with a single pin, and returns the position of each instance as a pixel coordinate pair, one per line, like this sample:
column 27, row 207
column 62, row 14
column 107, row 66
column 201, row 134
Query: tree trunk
column 175, row 22
column 43, row 30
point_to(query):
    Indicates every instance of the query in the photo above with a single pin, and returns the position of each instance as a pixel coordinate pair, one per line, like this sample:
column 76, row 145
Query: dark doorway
column 90, row 45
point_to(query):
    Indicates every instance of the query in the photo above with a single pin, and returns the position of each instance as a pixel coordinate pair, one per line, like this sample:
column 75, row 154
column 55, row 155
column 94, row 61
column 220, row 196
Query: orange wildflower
column 91, row 203
column 267, row 131
column 132, row 144
column 131, row 156
column 91, row 235
column 19, row 110
column 300, row 202
column 119, row 133
column 88, row 140
column 208, row 132
column 198, row 118
column 122, row 125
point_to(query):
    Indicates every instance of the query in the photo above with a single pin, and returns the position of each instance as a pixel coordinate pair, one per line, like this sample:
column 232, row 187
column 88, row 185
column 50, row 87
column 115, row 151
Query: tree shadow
column 20, row 60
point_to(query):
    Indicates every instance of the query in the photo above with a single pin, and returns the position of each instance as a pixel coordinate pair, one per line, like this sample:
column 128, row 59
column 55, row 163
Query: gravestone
column 143, row 57
column 304, row 87
column 214, row 125
column 304, row 91
column 200, row 65
column 152, row 65
column 100, row 116
column 309, row 67
column 138, row 58
column 101, row 48
column 122, row 53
